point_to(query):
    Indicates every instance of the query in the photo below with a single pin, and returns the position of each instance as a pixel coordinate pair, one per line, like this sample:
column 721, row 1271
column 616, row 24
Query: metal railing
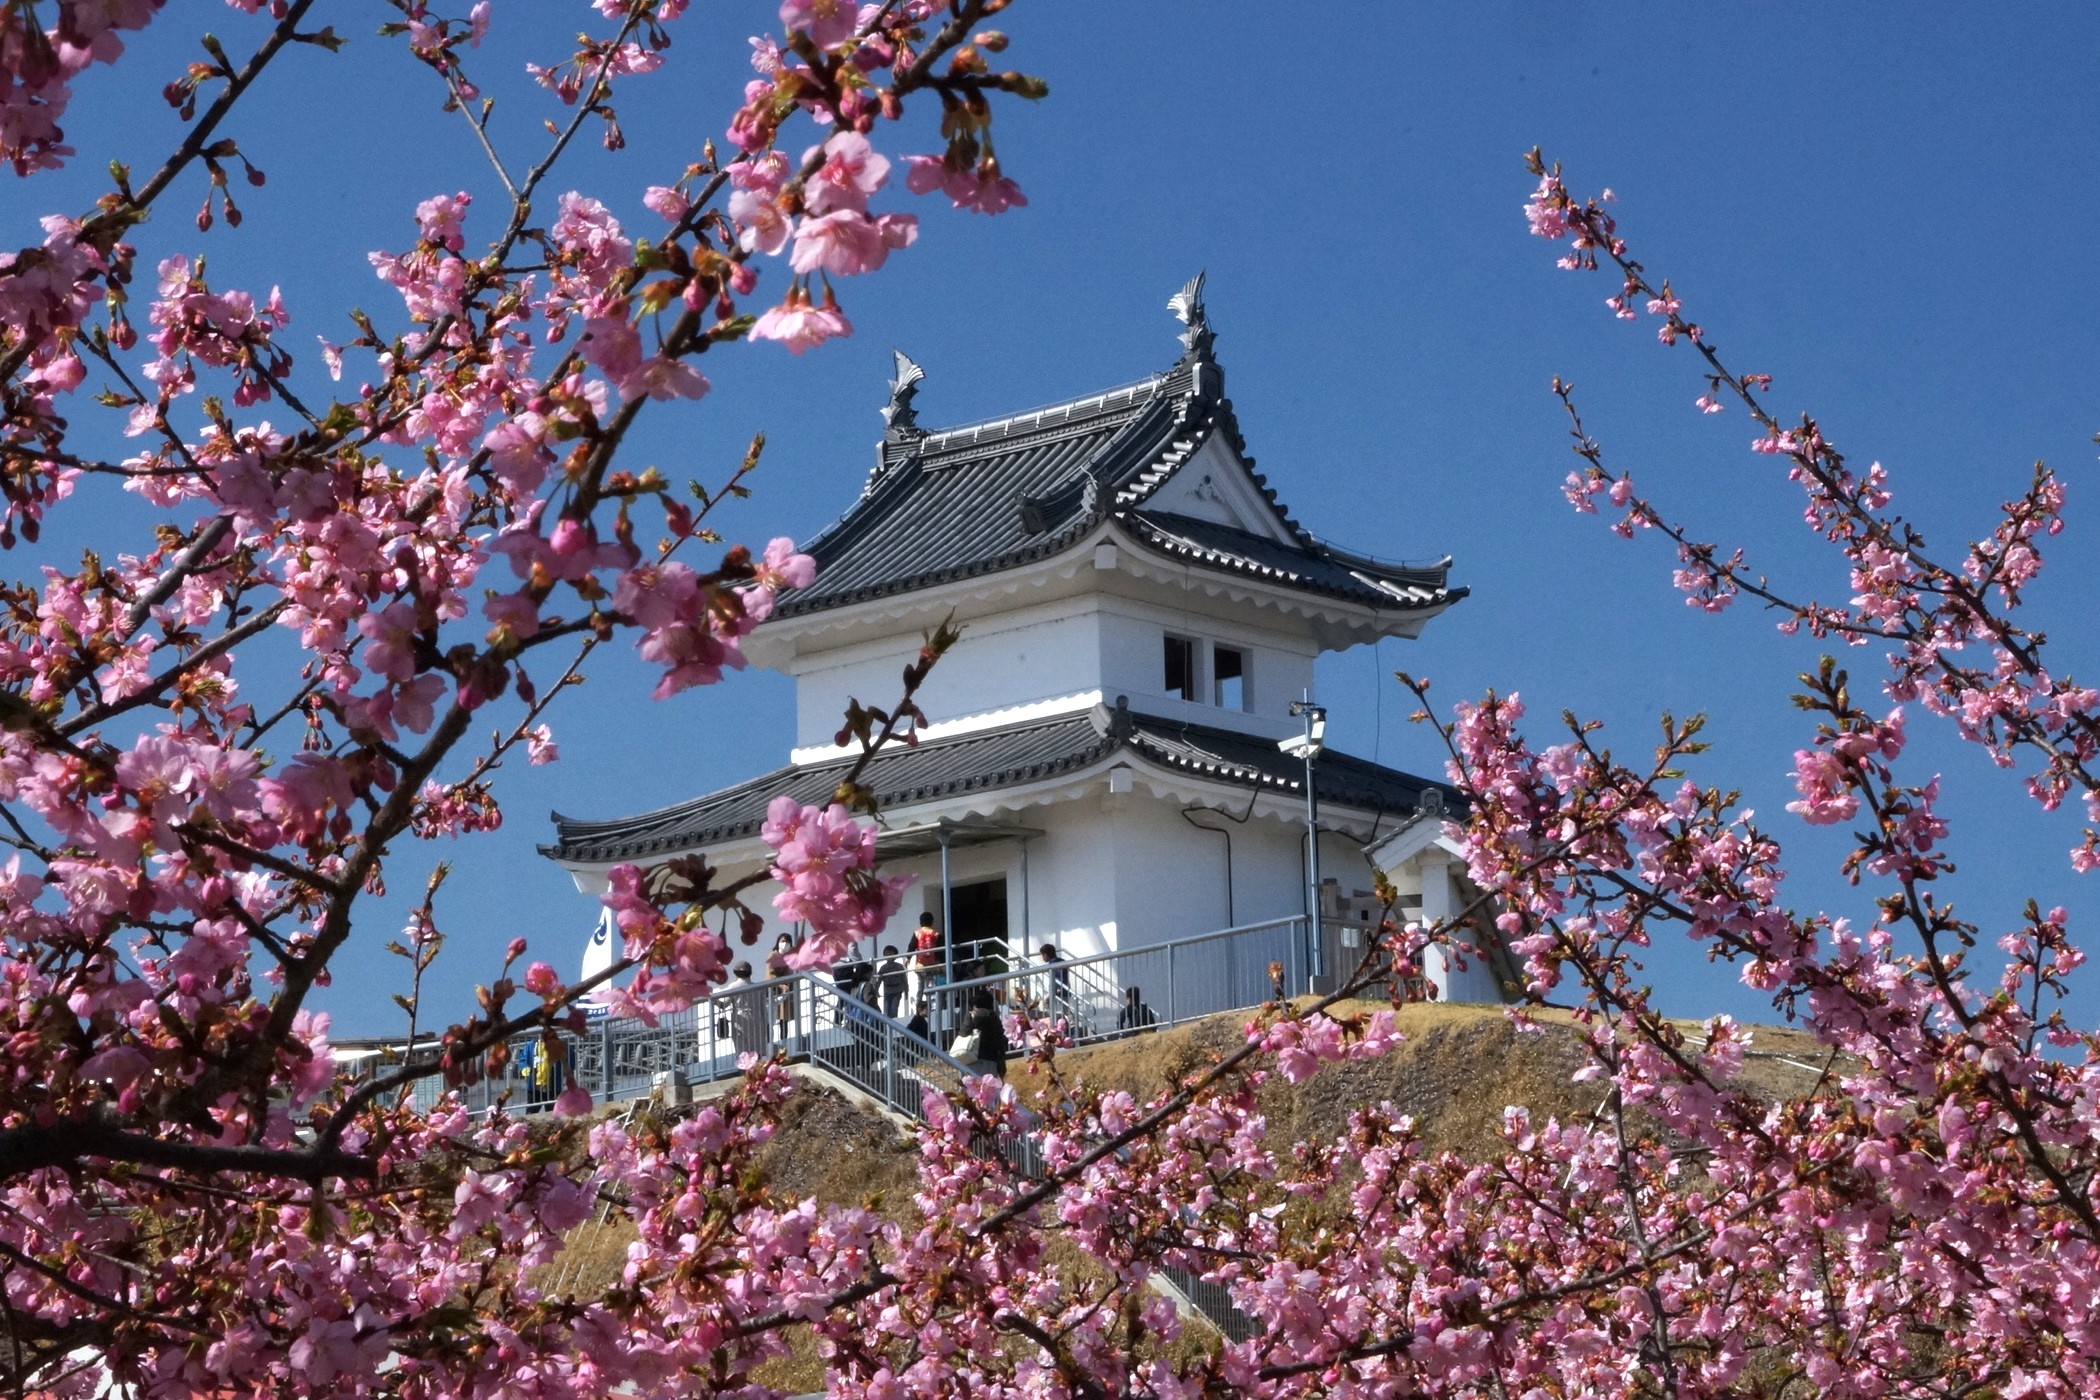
column 1111, row 995
column 1102, row 997
column 1106, row 996
column 803, row 1015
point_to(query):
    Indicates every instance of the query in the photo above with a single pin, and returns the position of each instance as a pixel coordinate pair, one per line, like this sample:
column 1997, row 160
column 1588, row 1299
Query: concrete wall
column 1171, row 876
column 1434, row 877
column 1457, row 977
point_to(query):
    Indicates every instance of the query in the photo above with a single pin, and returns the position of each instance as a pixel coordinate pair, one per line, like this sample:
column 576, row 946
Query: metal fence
column 1111, row 995
column 617, row 1059
column 1103, row 997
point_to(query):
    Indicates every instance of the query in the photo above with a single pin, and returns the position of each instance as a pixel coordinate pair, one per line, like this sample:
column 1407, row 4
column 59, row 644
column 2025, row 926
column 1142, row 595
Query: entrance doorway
column 979, row 935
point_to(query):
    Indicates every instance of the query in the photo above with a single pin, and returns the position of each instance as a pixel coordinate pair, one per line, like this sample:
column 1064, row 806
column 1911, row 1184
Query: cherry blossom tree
column 191, row 1201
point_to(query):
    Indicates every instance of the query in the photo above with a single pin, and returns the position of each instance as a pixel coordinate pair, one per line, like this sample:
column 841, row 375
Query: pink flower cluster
column 837, row 236
column 692, row 626
column 1840, row 762
column 978, row 187
column 1304, row 1045
column 1590, row 861
column 225, row 330
column 825, row 863
column 37, row 68
column 680, row 962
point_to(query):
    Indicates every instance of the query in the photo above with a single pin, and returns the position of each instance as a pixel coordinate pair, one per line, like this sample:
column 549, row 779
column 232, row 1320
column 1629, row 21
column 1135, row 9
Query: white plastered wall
column 1018, row 658
column 1080, row 649
column 1133, row 644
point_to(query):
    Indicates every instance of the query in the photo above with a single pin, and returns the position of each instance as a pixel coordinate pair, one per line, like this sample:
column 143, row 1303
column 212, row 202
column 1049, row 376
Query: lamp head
column 1315, row 735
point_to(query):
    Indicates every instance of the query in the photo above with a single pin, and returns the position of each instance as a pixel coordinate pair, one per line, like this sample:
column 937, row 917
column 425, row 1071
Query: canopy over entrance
column 925, row 838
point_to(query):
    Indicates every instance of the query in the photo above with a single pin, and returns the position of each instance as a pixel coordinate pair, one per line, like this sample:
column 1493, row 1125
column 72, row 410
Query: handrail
column 1035, row 969
column 874, row 1065
column 1104, row 996
column 1098, row 996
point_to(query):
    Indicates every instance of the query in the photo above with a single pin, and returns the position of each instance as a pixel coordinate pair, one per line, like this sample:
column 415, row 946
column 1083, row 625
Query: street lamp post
column 1308, row 746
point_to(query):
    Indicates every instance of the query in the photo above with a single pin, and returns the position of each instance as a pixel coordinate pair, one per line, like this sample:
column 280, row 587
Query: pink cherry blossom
column 826, row 22
column 851, row 171
column 762, row 228
column 800, row 324
column 662, row 377
column 979, row 187
column 665, row 202
column 847, row 242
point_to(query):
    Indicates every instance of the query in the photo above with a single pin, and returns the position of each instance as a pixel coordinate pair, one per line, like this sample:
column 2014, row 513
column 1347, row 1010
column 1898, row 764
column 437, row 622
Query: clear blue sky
column 1889, row 209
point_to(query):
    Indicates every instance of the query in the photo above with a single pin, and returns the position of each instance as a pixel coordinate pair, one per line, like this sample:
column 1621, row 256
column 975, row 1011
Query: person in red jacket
column 927, row 959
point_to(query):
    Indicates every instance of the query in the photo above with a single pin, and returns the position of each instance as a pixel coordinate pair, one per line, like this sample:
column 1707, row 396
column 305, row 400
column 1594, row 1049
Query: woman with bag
column 982, row 1045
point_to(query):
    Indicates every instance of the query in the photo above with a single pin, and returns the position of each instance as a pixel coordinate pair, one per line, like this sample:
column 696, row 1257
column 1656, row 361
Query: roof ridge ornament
column 901, row 418
column 1187, row 306
column 1122, row 724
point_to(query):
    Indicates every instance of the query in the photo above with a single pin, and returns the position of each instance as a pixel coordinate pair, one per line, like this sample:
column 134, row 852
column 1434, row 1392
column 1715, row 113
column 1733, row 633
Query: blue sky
column 1888, row 209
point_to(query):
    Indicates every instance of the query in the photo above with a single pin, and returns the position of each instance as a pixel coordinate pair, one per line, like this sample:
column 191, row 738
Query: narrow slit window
column 1181, row 668
column 1230, row 667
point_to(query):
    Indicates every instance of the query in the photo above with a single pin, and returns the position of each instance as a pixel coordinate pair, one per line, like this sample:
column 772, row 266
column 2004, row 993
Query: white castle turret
column 1100, row 769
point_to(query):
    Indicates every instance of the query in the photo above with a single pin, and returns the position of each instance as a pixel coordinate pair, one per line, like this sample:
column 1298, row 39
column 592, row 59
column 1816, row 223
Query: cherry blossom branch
column 25, row 1150
column 1905, row 594
column 131, row 207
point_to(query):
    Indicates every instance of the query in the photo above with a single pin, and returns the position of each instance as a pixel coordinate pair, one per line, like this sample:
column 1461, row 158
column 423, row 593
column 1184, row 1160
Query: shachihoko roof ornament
column 898, row 415
column 1187, row 306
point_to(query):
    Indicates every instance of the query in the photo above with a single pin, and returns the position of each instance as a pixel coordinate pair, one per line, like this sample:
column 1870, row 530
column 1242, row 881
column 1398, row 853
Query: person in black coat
column 990, row 1028
column 1136, row 1014
column 893, row 979
column 855, row 977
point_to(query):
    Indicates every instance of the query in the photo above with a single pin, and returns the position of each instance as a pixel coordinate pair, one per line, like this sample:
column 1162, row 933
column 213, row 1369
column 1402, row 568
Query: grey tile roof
column 1318, row 570
column 987, row 761
column 990, row 496
column 1342, row 779
column 993, row 758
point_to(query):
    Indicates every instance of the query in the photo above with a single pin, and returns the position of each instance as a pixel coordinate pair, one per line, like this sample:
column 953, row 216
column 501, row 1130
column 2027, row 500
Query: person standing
column 989, row 1027
column 718, row 1029
column 747, row 1015
column 925, row 958
column 855, row 977
column 782, row 989
column 894, row 980
column 1056, row 992
column 550, row 1056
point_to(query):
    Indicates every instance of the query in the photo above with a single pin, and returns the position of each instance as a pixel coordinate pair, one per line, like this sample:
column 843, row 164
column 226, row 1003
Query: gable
column 1213, row 484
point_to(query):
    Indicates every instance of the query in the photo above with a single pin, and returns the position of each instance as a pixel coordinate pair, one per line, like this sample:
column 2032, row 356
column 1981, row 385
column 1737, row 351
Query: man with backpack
column 926, row 969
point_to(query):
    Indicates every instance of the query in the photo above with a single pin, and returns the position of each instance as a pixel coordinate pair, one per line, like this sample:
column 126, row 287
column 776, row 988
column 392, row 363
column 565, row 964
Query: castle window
column 1229, row 678
column 1181, row 668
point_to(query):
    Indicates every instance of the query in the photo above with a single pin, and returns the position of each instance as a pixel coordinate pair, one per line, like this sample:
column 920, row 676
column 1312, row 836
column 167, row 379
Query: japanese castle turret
column 1101, row 766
